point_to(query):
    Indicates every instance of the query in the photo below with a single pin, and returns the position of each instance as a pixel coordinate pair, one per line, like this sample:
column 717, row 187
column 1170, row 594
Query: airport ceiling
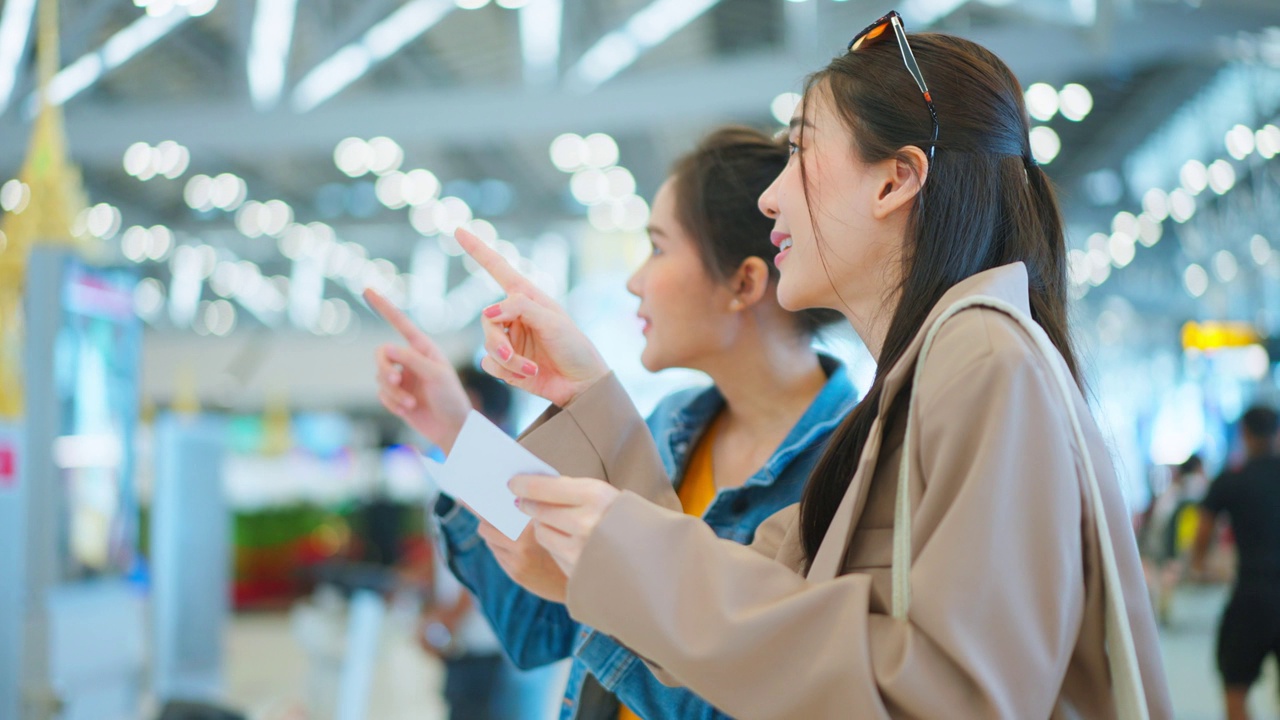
column 267, row 89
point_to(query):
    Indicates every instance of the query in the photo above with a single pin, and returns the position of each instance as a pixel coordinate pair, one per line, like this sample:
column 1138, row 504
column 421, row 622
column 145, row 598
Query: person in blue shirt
column 737, row 451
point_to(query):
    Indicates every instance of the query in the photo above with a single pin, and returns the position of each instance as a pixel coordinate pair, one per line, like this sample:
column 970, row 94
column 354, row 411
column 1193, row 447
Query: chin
column 790, row 299
column 649, row 360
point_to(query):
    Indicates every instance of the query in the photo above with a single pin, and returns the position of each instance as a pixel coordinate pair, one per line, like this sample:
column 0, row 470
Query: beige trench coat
column 1007, row 610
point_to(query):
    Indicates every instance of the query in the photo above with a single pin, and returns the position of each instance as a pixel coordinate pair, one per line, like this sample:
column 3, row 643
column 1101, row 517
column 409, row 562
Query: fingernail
column 492, row 311
column 518, row 376
column 529, row 368
column 517, row 502
column 394, row 378
column 505, row 352
column 408, row 402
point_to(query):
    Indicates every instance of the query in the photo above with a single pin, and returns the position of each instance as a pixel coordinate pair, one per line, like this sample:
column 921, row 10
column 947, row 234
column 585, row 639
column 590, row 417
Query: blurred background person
column 1249, row 498
column 1168, row 531
column 480, row 682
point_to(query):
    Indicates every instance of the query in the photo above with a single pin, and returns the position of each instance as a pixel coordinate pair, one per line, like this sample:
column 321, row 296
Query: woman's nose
column 768, row 202
column 633, row 282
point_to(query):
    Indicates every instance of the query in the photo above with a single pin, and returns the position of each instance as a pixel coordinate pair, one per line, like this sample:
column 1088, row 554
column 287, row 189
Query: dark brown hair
column 717, row 186
column 984, row 204
column 1261, row 422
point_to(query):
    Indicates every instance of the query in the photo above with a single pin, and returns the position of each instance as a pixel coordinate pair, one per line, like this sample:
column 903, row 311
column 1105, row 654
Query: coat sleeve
column 601, row 424
column 996, row 577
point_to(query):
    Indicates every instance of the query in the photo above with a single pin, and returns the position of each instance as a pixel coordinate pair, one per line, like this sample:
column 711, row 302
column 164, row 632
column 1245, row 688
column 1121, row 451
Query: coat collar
column 1008, row 283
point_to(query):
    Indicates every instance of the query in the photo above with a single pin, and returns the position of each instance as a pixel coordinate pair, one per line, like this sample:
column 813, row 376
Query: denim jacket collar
column 680, row 434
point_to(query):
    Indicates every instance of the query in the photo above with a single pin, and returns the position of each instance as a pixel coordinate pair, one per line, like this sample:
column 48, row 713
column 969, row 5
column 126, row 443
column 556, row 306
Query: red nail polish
column 493, row 311
column 505, row 353
column 529, row 368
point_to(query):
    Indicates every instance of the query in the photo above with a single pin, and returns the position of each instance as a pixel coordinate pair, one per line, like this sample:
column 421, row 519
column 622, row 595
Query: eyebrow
column 797, row 122
column 654, row 230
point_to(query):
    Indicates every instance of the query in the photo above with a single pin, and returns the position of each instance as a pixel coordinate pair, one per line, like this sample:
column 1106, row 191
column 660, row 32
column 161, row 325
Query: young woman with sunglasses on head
column 738, row 451
column 961, row 549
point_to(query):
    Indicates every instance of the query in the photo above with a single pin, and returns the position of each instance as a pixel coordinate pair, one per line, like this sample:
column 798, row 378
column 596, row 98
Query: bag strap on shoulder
column 1126, row 677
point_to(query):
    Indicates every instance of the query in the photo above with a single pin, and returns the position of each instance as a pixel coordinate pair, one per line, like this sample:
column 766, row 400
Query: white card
column 483, row 460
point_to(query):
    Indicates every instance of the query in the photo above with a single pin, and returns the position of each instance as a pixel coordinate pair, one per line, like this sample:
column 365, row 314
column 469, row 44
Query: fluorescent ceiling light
column 75, row 78
column 15, row 31
column 540, row 27
column 920, row 14
column 269, row 50
column 116, row 51
column 381, row 41
column 648, row 28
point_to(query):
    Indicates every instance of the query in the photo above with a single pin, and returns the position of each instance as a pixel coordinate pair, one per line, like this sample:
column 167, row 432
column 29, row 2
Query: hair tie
column 1030, row 162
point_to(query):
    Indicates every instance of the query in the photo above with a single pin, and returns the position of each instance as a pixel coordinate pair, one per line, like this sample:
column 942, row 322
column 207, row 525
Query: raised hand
column 565, row 510
column 417, row 383
column 531, row 342
column 526, row 562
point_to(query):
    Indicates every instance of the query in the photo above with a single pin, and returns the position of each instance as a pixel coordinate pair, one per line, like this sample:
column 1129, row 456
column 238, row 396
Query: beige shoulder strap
column 1126, row 677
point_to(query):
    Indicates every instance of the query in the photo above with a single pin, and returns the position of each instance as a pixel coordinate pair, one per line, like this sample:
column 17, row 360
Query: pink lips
column 777, row 238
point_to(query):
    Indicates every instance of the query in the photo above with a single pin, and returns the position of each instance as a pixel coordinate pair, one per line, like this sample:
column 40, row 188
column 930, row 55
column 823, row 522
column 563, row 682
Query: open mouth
column 784, row 243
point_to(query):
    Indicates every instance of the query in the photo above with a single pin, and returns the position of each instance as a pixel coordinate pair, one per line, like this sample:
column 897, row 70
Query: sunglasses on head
column 876, row 32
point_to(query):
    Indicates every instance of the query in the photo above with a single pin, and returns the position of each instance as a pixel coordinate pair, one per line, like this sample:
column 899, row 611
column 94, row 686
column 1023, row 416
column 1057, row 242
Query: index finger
column 551, row 490
column 492, row 261
column 401, row 322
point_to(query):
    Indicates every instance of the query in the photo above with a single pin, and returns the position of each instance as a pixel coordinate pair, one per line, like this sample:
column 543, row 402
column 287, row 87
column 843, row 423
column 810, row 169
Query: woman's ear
column 901, row 180
column 749, row 284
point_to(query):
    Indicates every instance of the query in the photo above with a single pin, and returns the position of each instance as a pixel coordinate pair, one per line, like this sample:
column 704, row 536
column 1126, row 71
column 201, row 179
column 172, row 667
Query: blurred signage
column 1209, row 336
column 8, row 464
column 96, row 295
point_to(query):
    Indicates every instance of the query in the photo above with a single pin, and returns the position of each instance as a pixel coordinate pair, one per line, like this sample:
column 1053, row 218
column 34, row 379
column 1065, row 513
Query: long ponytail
column 1049, row 287
column 982, row 206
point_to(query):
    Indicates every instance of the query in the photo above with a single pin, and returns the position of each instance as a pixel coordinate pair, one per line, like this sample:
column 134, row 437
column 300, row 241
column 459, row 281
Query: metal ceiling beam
column 269, row 45
column 120, row 48
column 15, row 34
column 456, row 118
column 541, row 29
column 694, row 97
column 621, row 48
column 354, row 61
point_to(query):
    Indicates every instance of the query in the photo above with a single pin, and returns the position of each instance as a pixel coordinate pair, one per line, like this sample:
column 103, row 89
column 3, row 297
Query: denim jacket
column 536, row 632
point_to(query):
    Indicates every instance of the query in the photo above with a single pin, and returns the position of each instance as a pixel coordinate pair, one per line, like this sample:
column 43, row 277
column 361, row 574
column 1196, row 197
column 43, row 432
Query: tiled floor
column 1188, row 645
column 270, row 678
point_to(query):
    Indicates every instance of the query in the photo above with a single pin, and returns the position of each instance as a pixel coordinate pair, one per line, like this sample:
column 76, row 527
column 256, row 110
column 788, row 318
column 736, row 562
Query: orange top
column 697, row 490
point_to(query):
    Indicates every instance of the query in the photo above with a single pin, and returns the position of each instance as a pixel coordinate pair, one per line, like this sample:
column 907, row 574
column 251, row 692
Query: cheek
column 791, row 198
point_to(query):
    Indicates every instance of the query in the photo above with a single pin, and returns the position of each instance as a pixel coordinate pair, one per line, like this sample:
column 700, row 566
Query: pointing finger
column 417, row 339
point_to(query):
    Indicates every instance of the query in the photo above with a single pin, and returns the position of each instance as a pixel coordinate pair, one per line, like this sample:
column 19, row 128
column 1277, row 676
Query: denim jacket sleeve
column 534, row 631
column 626, row 675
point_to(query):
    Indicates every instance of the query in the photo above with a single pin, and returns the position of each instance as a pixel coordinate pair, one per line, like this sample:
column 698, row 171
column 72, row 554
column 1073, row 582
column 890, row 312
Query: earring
column 735, row 304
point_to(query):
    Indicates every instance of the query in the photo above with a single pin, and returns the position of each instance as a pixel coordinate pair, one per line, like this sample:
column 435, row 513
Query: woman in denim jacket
column 737, row 451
